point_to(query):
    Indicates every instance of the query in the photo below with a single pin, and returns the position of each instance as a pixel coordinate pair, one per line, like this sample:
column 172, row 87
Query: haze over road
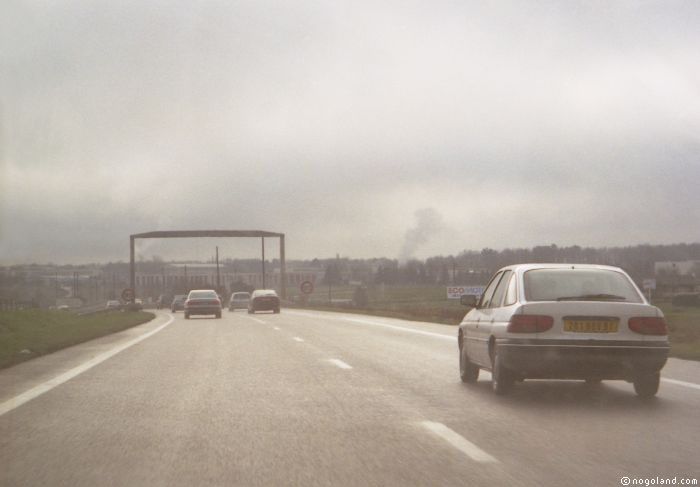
column 311, row 398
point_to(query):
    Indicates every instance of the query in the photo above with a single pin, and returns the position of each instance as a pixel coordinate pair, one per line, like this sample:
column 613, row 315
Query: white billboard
column 455, row 292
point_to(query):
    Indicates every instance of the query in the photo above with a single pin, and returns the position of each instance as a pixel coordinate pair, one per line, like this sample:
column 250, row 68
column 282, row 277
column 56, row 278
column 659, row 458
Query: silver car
column 563, row 321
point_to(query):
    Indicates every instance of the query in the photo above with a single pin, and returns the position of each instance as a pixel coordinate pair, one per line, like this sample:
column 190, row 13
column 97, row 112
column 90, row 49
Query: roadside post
column 649, row 285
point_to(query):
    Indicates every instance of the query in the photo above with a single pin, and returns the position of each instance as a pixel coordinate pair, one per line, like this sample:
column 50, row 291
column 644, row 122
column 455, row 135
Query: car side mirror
column 469, row 300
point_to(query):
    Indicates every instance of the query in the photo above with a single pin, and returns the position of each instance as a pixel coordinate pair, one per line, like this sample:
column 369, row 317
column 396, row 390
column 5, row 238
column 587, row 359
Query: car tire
column 468, row 372
column 218, row 315
column 502, row 379
column 647, row 385
column 276, row 311
column 187, row 316
column 250, row 311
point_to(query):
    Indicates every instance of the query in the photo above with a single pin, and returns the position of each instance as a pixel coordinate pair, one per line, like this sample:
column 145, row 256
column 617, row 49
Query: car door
column 493, row 315
column 477, row 349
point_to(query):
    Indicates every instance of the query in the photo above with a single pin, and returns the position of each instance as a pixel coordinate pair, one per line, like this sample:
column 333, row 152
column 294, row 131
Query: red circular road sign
column 128, row 294
column 307, row 287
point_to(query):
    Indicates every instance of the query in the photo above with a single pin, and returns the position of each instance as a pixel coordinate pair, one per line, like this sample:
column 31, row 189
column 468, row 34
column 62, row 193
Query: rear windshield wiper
column 593, row 297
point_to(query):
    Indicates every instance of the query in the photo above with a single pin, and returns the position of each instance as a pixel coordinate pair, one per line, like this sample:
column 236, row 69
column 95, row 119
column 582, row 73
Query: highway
column 311, row 398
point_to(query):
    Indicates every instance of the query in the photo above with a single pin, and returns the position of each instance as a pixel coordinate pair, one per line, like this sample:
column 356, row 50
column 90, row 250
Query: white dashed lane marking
column 459, row 442
column 340, row 364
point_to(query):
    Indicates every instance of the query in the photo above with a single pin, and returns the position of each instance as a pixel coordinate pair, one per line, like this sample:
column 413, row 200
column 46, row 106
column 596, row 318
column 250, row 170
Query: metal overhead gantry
column 212, row 233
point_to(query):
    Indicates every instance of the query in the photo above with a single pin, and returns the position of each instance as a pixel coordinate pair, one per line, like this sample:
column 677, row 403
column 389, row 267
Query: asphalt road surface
column 309, row 398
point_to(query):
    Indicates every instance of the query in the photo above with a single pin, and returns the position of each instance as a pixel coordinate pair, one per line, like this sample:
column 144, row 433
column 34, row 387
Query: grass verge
column 29, row 333
column 683, row 330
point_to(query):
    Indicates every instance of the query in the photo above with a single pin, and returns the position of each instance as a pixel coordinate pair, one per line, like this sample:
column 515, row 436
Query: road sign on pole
column 307, row 287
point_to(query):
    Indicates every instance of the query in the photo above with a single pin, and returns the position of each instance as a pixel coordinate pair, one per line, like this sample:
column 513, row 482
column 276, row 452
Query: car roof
column 203, row 291
column 261, row 292
column 532, row 266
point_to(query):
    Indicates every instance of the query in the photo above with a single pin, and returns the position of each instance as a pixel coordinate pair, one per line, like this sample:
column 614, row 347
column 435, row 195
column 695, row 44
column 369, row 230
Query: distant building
column 174, row 278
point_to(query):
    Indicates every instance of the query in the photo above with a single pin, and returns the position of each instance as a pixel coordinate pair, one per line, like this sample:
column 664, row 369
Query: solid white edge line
column 258, row 321
column 298, row 339
column 439, row 335
column 376, row 323
column 37, row 391
column 681, row 383
column 459, row 442
column 340, row 364
column 394, row 327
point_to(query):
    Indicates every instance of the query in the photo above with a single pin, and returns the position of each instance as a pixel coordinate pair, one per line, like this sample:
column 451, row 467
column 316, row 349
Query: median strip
column 459, row 442
column 37, row 391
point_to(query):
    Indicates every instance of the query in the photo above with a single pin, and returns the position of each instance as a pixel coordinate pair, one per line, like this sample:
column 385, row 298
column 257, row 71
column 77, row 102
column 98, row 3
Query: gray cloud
column 336, row 122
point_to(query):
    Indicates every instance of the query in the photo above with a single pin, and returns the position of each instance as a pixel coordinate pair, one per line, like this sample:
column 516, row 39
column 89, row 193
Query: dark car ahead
column 264, row 300
column 163, row 301
column 178, row 303
column 203, row 302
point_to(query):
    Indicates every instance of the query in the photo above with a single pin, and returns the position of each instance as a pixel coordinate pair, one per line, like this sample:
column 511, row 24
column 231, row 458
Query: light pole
column 263, row 263
column 218, row 277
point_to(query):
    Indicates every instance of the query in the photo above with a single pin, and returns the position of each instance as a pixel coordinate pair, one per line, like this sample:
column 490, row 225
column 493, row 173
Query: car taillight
column 529, row 323
column 648, row 325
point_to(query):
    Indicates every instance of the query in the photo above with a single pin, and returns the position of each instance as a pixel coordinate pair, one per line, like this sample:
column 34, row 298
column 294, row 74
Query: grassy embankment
column 29, row 333
column 430, row 304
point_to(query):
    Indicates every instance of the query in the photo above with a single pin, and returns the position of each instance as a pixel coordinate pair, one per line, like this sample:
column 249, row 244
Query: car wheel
column 187, row 316
column 468, row 372
column 277, row 310
column 647, row 385
column 218, row 315
column 250, row 311
column 502, row 380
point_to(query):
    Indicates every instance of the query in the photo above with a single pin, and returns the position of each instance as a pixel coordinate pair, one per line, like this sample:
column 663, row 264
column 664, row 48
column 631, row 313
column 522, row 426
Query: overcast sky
column 367, row 129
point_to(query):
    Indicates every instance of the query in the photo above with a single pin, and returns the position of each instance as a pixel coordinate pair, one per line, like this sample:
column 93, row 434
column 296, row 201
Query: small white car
column 238, row 300
column 563, row 321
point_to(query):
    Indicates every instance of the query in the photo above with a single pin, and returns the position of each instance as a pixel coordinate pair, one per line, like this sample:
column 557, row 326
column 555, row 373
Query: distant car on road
column 563, row 321
column 163, row 301
column 178, row 303
column 113, row 304
column 264, row 300
column 202, row 302
column 238, row 300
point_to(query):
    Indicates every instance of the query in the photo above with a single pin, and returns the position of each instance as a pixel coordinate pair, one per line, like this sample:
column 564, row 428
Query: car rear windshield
column 203, row 295
column 241, row 296
column 579, row 285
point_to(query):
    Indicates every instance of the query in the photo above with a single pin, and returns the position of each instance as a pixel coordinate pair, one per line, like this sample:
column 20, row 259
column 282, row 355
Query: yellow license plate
column 590, row 326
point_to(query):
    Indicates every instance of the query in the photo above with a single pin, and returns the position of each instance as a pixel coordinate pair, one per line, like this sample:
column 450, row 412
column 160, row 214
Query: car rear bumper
column 265, row 306
column 203, row 310
column 578, row 359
